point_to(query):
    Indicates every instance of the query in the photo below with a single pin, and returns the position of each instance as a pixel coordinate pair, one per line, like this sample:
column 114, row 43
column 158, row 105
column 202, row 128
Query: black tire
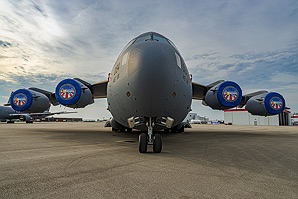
column 181, row 130
column 116, row 130
column 143, row 143
column 157, row 144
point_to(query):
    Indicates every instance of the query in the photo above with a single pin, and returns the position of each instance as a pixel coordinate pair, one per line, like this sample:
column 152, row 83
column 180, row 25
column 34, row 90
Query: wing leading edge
column 99, row 90
column 199, row 91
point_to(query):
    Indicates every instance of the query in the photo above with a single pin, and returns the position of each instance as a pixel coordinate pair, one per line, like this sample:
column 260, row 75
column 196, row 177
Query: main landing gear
column 146, row 139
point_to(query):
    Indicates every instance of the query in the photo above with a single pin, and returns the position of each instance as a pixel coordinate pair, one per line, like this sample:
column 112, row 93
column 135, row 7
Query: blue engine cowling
column 26, row 100
column 74, row 94
column 224, row 95
column 266, row 104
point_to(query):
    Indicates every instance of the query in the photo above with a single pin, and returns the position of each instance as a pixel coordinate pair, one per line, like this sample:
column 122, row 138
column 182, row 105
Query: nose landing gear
column 144, row 142
column 149, row 139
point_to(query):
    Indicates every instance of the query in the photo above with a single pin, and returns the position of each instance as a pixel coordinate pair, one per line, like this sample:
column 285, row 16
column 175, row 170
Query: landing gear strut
column 150, row 139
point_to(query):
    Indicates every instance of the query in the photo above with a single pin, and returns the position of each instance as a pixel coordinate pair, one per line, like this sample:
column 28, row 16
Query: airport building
column 195, row 118
column 294, row 119
column 241, row 116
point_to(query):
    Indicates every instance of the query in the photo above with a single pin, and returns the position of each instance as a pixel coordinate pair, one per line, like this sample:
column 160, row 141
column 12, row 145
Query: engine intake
column 224, row 95
column 266, row 104
column 72, row 93
column 26, row 100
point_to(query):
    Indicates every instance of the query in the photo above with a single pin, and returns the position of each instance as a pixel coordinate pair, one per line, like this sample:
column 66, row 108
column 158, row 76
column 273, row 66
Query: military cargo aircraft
column 149, row 89
column 8, row 114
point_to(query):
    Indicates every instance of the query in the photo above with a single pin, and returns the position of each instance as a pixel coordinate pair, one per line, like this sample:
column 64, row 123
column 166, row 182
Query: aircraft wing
column 86, row 91
column 222, row 95
column 38, row 115
column 50, row 113
column 246, row 97
column 199, row 91
column 99, row 90
column 49, row 94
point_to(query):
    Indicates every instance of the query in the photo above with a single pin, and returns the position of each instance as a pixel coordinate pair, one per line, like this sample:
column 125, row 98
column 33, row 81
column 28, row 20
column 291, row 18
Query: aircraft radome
column 149, row 89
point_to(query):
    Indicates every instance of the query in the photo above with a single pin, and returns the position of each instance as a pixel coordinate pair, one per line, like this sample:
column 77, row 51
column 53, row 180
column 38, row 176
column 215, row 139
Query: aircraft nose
column 152, row 74
column 153, row 66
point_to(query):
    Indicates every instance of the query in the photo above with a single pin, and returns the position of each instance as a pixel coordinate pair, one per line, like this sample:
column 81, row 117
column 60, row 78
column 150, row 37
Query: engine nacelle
column 266, row 104
column 74, row 94
column 26, row 100
column 224, row 95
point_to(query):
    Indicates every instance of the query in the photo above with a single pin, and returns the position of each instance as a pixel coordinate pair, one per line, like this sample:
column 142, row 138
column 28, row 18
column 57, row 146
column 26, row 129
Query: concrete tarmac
column 86, row 160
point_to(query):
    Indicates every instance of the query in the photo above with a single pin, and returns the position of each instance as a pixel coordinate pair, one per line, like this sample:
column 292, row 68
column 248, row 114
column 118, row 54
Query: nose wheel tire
column 143, row 141
column 157, row 144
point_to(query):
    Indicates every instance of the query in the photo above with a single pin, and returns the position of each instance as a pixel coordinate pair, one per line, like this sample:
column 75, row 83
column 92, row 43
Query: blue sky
column 254, row 43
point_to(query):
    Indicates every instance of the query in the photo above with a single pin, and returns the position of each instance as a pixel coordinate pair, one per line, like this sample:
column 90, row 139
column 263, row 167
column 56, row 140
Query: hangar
column 240, row 116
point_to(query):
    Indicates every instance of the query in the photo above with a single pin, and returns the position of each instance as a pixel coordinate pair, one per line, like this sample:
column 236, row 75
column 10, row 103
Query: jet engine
column 26, row 100
column 266, row 104
column 73, row 93
column 223, row 96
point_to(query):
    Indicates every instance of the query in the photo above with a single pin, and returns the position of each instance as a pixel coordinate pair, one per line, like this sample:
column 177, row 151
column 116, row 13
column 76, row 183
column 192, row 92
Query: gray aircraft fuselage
column 5, row 112
column 149, row 80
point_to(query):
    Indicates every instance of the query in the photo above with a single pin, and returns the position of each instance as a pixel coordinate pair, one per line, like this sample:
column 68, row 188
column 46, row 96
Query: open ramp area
column 86, row 160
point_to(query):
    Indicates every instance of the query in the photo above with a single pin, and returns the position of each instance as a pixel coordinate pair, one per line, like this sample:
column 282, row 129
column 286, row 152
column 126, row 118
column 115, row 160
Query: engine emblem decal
column 230, row 93
column 67, row 91
column 276, row 103
column 20, row 99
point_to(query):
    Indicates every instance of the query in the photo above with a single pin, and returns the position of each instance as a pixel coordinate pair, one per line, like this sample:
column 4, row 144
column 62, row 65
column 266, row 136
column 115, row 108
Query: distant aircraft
column 149, row 89
column 8, row 114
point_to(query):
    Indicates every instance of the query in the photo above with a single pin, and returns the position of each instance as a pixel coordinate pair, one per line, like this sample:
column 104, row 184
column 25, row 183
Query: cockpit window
column 144, row 38
column 158, row 38
column 152, row 37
